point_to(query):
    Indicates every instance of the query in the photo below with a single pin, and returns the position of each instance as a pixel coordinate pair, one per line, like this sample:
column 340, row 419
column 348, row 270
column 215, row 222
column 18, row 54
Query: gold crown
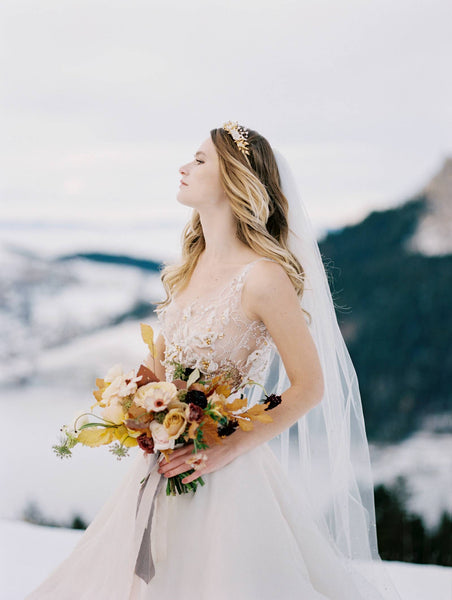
column 239, row 135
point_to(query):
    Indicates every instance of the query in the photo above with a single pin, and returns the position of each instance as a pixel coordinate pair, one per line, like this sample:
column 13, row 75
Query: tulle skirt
column 247, row 534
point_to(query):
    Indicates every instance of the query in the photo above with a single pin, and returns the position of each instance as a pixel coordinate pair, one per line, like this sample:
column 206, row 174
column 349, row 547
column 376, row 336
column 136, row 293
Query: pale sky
column 102, row 101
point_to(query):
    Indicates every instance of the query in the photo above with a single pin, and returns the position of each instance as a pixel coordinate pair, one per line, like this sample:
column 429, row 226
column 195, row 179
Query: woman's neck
column 222, row 244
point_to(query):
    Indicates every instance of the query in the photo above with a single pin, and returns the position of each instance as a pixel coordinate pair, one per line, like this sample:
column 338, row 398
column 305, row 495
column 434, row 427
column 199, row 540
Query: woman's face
column 200, row 184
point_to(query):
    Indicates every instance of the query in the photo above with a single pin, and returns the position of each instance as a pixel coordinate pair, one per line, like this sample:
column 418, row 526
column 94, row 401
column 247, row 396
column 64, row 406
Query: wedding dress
column 247, row 534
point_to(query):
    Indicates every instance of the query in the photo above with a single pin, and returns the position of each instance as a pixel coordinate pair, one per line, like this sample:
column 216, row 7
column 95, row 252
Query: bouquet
column 137, row 409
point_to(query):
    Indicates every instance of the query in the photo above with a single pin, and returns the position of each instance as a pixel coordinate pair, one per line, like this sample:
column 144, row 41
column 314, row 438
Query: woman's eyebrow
column 200, row 153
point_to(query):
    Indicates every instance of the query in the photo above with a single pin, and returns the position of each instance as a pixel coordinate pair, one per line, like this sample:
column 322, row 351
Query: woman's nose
column 183, row 170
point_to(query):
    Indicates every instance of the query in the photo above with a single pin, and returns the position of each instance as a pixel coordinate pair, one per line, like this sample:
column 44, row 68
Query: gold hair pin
column 239, row 135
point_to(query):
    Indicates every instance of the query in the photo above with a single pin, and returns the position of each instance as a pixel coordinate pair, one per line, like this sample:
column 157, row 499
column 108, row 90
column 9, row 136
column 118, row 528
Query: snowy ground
column 32, row 471
column 30, row 552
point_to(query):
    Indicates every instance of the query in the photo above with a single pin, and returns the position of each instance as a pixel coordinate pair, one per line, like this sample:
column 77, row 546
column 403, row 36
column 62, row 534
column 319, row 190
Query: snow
column 156, row 238
column 425, row 461
column 30, row 552
column 80, row 484
column 47, row 305
column 433, row 235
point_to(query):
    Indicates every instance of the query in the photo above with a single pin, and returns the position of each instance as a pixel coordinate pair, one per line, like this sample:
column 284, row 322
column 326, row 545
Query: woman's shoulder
column 263, row 271
column 266, row 281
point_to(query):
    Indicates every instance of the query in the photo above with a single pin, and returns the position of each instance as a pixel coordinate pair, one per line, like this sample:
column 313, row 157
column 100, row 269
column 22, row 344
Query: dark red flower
column 195, row 413
column 146, row 443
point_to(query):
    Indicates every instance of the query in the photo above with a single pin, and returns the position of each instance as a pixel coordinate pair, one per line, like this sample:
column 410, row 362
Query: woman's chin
column 182, row 199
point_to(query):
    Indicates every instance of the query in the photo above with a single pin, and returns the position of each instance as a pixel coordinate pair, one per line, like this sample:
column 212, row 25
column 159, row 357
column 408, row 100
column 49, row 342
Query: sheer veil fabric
column 326, row 451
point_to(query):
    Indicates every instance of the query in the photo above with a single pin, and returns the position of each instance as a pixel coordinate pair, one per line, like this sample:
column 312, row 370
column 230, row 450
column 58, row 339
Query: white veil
column 326, row 451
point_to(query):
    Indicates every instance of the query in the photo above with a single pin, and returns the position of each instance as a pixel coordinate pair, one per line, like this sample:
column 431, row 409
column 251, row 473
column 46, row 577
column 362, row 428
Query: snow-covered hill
column 51, row 294
column 433, row 235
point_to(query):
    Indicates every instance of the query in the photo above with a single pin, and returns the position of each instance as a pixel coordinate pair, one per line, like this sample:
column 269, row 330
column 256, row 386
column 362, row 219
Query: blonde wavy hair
column 253, row 187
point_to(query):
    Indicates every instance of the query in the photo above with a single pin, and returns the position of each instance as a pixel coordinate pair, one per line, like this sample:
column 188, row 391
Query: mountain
column 433, row 235
column 48, row 302
column 390, row 277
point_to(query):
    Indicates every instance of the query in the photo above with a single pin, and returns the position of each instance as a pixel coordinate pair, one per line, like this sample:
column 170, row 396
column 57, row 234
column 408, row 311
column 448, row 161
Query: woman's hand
column 217, row 456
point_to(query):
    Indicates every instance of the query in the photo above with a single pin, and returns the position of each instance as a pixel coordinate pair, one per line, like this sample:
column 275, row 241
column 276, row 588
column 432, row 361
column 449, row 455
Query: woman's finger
column 177, row 470
column 192, row 477
column 172, row 464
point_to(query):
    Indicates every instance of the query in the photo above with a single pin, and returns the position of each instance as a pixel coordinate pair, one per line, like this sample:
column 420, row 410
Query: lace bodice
column 213, row 334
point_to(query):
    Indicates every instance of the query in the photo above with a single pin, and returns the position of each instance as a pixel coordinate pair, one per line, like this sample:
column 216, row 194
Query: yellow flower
column 114, row 412
column 175, row 422
column 96, row 436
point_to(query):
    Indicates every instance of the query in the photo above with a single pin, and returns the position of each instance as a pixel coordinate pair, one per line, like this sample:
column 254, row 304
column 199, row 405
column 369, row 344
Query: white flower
column 156, row 395
column 121, row 385
column 206, row 365
column 160, row 436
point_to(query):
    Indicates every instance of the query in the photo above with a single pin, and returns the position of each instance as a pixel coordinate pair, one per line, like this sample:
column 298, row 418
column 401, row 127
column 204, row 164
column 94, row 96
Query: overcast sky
column 102, row 101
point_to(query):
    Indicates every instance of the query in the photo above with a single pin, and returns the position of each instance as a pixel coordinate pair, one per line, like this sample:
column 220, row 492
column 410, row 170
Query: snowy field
column 30, row 552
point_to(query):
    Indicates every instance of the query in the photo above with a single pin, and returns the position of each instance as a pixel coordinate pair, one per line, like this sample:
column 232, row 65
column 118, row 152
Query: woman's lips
column 183, row 182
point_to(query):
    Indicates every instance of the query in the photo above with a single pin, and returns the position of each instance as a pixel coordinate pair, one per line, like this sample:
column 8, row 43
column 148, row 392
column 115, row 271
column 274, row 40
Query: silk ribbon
column 151, row 519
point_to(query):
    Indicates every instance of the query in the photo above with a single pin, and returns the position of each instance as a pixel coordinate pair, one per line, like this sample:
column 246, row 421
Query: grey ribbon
column 144, row 566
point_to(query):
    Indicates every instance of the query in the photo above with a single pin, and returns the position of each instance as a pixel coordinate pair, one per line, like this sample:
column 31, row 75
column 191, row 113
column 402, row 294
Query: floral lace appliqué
column 213, row 335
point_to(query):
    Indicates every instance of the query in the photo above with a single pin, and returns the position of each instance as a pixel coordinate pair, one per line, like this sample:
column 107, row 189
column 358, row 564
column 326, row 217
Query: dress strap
column 248, row 266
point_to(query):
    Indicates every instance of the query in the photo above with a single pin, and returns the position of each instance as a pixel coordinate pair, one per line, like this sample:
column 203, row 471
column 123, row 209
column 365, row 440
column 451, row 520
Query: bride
column 294, row 521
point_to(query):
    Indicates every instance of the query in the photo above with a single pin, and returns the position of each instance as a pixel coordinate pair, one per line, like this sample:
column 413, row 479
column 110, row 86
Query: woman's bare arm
column 269, row 295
